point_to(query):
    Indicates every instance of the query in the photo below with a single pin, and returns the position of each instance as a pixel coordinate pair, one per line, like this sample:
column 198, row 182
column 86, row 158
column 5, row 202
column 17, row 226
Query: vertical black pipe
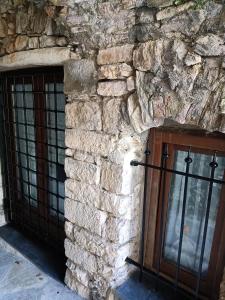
column 213, row 166
column 188, row 161
column 162, row 182
column 142, row 250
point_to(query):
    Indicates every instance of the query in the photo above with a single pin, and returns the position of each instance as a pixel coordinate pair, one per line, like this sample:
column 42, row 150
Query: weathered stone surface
column 115, row 55
column 210, row 45
column 111, row 177
column 75, row 285
column 148, row 56
column 32, row 58
column 159, row 3
column 3, row 28
column 119, row 206
column 80, row 76
column 21, row 42
column 192, row 59
column 82, row 171
column 85, row 216
column 47, row 41
column 78, row 273
column 82, row 192
column 33, row 43
column 112, row 88
column 83, row 115
column 145, row 15
column 69, row 230
column 119, row 230
column 185, row 24
column 172, row 11
column 131, row 84
column 116, row 71
column 112, row 116
column 89, row 141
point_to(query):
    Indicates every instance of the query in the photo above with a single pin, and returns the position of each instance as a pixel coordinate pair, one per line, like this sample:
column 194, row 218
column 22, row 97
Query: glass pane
column 197, row 195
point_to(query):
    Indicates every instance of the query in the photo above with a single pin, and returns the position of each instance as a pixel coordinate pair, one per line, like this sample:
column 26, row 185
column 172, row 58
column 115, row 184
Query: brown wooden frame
column 181, row 139
column 22, row 213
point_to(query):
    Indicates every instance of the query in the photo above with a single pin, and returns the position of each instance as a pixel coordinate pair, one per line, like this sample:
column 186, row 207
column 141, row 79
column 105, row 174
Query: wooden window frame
column 181, row 139
column 40, row 214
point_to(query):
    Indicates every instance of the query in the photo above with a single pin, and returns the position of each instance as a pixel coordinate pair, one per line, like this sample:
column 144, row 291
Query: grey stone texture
column 132, row 65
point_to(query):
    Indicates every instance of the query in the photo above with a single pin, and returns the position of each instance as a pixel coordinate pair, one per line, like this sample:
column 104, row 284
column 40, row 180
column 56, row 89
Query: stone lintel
column 36, row 58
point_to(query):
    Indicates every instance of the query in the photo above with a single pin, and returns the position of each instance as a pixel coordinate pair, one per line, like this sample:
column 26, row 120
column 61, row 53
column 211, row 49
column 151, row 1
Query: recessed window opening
column 183, row 228
column 34, row 129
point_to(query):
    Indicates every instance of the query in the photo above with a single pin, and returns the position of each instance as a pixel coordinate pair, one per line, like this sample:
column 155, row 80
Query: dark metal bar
column 213, row 166
column 142, row 251
column 162, row 182
column 188, row 161
column 135, row 163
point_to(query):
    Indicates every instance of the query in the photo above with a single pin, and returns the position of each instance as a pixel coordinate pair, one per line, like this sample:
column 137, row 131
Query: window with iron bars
column 33, row 107
column 183, row 229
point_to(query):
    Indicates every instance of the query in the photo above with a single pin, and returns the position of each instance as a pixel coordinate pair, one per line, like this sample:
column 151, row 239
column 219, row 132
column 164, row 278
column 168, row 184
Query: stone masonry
column 136, row 64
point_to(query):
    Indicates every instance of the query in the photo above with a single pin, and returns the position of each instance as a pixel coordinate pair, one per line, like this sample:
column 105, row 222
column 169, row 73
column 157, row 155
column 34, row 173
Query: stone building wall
column 135, row 65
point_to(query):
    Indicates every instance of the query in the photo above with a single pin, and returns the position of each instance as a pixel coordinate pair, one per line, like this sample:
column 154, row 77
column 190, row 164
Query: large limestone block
column 82, row 192
column 78, row 273
column 111, row 177
column 80, row 256
column 90, row 141
column 76, row 286
column 112, row 116
column 33, row 58
column 115, row 55
column 148, row 56
column 83, row 115
column 21, row 42
column 117, row 205
column 210, row 45
column 116, row 71
column 172, row 11
column 85, row 216
column 80, row 76
column 82, row 171
column 112, row 88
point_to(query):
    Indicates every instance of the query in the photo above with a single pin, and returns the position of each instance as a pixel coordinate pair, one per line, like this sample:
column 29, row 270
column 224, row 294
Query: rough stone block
column 89, row 141
column 47, row 41
column 112, row 115
column 112, row 88
column 115, row 204
column 80, row 76
column 82, row 171
column 83, row 115
column 85, row 216
column 76, row 286
column 21, row 42
column 172, row 11
column 116, row 71
column 79, row 274
column 81, row 257
column 119, row 231
column 192, row 59
column 210, row 45
column 82, row 192
column 111, row 177
column 33, row 43
column 115, row 55
column 69, row 230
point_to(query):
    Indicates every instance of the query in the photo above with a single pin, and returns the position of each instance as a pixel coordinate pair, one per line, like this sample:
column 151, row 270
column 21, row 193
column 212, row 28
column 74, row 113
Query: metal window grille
column 164, row 170
column 33, row 106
